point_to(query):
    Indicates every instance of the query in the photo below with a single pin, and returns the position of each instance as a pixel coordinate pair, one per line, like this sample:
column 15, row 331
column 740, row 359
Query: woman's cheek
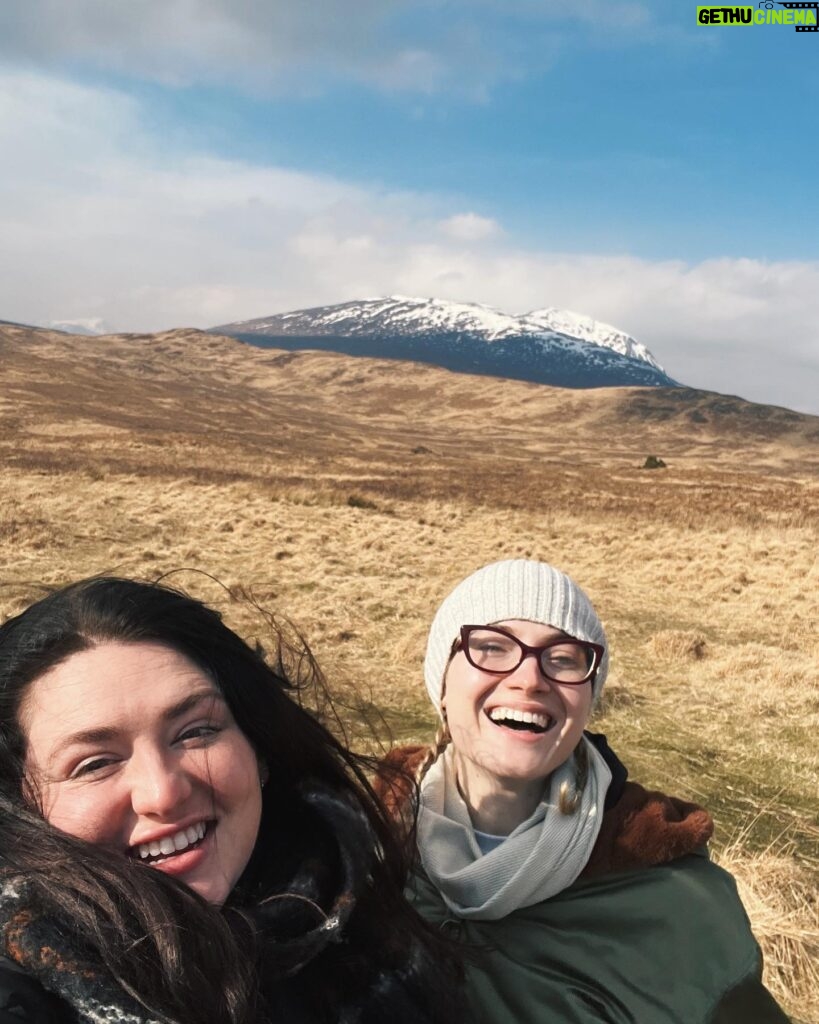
column 88, row 813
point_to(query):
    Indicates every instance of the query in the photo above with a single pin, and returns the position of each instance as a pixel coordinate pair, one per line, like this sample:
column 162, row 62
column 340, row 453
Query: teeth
column 511, row 714
column 180, row 840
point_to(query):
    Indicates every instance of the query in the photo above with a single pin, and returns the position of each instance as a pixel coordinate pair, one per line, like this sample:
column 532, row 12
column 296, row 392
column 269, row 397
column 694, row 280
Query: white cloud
column 469, row 227
column 179, row 41
column 422, row 46
column 96, row 224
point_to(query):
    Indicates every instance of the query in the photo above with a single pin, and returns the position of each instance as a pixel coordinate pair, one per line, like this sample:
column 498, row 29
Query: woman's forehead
column 113, row 680
column 527, row 626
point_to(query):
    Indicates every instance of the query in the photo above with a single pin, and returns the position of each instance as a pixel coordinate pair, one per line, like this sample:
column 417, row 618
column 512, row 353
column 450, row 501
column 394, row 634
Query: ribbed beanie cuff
column 515, row 589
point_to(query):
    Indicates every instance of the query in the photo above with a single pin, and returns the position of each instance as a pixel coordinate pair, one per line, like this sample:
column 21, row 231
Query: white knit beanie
column 514, row 589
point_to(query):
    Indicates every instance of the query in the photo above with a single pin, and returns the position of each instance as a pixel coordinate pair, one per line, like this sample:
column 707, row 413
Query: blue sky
column 200, row 161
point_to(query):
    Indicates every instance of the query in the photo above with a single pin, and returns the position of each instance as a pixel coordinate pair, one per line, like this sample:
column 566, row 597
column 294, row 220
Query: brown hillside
column 394, row 425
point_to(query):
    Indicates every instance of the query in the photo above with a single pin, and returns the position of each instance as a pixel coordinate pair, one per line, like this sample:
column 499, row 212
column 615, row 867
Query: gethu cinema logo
column 803, row 16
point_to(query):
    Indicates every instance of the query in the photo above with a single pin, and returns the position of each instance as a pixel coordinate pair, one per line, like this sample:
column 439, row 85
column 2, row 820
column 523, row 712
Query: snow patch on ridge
column 577, row 325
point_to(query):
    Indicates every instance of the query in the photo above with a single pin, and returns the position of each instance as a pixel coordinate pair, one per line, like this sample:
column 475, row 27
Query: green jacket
column 669, row 944
column 653, row 932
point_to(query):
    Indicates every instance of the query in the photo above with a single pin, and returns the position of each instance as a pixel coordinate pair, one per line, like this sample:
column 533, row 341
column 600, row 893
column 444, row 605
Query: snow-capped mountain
column 90, row 326
column 548, row 346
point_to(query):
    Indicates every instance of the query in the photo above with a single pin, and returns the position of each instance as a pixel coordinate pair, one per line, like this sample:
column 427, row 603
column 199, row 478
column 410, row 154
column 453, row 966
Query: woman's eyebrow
column 102, row 734
column 85, row 737
column 99, row 735
column 188, row 703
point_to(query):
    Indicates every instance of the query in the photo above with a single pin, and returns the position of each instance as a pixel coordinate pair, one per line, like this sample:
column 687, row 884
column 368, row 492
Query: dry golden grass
column 782, row 901
column 350, row 495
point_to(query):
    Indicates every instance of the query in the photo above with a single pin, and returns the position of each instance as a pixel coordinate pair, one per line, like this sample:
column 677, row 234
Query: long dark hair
column 318, row 920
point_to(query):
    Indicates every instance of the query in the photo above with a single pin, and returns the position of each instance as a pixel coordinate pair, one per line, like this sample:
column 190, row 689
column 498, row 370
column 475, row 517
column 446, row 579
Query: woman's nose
column 159, row 784
column 529, row 675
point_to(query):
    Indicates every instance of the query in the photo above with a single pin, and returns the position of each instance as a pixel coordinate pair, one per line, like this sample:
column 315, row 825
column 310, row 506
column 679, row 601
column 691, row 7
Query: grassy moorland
column 350, row 495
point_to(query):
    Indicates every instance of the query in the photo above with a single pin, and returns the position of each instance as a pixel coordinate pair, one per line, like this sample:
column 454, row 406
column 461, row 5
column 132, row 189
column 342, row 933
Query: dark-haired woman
column 180, row 841
column 584, row 897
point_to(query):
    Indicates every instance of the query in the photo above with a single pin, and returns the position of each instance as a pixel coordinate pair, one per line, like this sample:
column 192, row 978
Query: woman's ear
column 264, row 773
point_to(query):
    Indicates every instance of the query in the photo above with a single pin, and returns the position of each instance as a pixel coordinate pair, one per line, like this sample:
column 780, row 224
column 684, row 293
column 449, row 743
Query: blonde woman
column 583, row 897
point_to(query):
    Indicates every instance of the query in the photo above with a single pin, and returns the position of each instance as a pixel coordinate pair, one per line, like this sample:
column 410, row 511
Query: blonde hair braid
column 439, row 744
column 571, row 793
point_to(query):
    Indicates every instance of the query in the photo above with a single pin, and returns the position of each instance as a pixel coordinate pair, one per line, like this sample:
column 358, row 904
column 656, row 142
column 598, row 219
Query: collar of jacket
column 641, row 828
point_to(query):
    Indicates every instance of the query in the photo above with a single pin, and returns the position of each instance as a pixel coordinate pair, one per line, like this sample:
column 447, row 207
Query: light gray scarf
column 543, row 855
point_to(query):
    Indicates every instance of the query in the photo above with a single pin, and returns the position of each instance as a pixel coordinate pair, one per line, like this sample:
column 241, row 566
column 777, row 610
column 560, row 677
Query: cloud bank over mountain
column 103, row 216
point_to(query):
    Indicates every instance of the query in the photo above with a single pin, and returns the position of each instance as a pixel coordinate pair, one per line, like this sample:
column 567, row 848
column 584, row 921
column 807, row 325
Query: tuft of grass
column 356, row 501
column 676, row 645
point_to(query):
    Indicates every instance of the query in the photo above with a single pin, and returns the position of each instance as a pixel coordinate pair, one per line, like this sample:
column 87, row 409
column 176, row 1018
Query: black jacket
column 23, row 998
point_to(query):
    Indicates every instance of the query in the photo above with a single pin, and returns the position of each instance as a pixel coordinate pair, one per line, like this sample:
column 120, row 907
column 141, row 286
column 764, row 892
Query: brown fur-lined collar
column 643, row 829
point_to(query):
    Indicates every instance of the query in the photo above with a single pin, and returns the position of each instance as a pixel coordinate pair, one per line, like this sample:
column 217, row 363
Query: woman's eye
column 564, row 661
column 199, row 732
column 92, row 766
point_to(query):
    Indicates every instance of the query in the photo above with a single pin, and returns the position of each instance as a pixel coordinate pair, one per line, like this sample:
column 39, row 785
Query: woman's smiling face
column 493, row 754
column 132, row 747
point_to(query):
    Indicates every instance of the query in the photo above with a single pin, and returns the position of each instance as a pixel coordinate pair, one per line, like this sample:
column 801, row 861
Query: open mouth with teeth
column 521, row 721
column 183, row 841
